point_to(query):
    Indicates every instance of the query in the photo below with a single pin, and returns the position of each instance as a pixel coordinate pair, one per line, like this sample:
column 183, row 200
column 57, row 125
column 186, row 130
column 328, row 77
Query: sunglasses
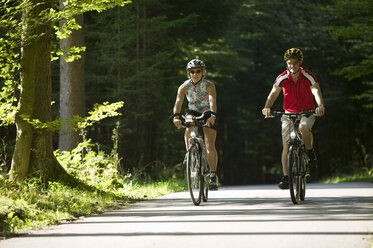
column 195, row 72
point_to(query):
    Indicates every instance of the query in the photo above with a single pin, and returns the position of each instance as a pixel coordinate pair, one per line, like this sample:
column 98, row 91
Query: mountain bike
column 298, row 160
column 198, row 172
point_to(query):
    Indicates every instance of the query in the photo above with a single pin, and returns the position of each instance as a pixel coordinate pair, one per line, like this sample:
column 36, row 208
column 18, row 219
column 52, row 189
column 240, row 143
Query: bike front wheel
column 195, row 180
column 303, row 177
column 294, row 174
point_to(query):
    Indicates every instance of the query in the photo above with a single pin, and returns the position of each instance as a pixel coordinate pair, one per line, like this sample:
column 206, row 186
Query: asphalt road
column 336, row 215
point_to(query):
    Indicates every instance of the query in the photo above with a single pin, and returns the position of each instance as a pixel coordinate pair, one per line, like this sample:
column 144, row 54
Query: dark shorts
column 195, row 113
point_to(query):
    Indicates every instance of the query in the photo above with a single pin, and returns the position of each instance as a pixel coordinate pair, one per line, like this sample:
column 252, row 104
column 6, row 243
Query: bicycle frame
column 296, row 163
column 297, row 156
column 197, row 164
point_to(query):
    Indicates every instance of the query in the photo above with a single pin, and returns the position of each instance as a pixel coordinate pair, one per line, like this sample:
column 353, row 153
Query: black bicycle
column 198, row 172
column 298, row 160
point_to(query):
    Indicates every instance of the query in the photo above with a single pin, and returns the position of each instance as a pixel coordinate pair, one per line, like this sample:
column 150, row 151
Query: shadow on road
column 252, row 208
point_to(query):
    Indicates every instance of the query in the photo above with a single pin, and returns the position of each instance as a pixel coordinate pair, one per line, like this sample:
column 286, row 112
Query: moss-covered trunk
column 33, row 155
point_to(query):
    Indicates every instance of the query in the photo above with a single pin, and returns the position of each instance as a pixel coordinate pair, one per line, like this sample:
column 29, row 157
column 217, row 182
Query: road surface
column 334, row 215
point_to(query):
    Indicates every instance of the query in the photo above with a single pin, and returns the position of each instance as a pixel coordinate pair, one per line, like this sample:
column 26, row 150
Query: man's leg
column 305, row 128
column 307, row 136
column 284, row 159
column 285, row 131
column 284, row 183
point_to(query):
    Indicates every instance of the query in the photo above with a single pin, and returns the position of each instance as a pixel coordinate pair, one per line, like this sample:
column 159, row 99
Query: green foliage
column 66, row 15
column 364, row 175
column 92, row 166
column 99, row 112
column 10, row 43
column 9, row 60
column 355, row 27
column 32, row 204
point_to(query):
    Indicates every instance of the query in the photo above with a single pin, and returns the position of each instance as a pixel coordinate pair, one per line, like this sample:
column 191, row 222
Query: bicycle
column 298, row 160
column 197, row 167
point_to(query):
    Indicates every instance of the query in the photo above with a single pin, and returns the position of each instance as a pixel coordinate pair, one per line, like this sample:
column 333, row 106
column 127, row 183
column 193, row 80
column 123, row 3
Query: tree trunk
column 71, row 89
column 33, row 154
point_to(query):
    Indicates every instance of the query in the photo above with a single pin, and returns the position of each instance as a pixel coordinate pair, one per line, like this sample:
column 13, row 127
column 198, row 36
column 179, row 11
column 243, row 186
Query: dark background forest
column 138, row 53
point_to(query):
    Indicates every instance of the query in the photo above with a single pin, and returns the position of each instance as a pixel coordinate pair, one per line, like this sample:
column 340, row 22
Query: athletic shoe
column 213, row 181
column 284, row 183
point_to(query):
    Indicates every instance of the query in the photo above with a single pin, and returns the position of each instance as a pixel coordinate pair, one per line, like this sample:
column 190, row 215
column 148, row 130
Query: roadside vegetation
column 98, row 186
column 356, row 177
column 32, row 204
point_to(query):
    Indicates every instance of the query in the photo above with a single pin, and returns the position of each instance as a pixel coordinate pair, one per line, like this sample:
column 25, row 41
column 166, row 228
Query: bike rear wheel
column 195, row 180
column 294, row 174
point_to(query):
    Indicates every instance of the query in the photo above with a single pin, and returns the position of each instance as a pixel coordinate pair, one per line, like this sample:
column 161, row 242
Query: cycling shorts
column 286, row 126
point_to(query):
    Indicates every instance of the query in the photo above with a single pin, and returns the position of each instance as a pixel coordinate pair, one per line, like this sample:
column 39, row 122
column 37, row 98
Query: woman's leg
column 212, row 155
column 187, row 136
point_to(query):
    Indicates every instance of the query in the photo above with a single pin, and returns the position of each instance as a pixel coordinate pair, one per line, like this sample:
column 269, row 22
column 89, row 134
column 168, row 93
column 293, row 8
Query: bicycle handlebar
column 306, row 113
column 186, row 122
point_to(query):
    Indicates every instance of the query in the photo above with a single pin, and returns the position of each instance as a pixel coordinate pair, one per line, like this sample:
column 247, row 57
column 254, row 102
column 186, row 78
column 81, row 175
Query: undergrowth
column 357, row 177
column 33, row 204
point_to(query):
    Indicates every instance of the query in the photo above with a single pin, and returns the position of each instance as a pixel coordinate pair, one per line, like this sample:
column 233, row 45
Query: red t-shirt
column 297, row 96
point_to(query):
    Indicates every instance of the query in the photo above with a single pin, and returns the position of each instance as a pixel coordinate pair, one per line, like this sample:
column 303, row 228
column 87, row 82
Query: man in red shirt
column 299, row 87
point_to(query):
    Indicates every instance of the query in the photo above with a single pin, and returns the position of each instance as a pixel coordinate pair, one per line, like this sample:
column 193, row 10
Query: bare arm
column 179, row 99
column 212, row 100
column 212, row 96
column 178, row 104
column 266, row 111
column 316, row 91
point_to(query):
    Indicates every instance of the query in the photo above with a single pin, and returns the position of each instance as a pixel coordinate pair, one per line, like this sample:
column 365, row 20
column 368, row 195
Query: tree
column 33, row 154
column 142, row 60
column 355, row 29
column 33, row 151
column 72, row 93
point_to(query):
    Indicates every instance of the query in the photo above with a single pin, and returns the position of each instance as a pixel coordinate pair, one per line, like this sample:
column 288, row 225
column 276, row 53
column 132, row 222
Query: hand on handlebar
column 178, row 123
column 320, row 111
column 211, row 121
column 266, row 112
column 181, row 121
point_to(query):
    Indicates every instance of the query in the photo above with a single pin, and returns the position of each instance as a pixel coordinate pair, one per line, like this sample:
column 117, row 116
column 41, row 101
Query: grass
column 99, row 186
column 30, row 204
column 357, row 177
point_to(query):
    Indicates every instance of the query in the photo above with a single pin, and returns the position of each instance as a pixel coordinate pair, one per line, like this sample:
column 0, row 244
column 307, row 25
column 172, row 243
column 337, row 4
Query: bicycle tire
column 205, row 178
column 195, row 181
column 294, row 176
column 205, row 195
column 303, row 178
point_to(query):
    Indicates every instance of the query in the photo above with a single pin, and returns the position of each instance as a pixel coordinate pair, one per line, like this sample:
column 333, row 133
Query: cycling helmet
column 293, row 53
column 195, row 63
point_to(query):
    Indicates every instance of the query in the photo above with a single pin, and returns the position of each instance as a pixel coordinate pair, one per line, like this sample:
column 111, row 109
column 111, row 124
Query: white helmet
column 195, row 63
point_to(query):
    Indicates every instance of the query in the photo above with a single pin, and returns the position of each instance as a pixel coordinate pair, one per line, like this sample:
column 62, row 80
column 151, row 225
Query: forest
column 134, row 53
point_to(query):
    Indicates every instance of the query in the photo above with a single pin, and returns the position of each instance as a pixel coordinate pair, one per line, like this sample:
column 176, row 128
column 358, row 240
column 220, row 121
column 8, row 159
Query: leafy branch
column 99, row 112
